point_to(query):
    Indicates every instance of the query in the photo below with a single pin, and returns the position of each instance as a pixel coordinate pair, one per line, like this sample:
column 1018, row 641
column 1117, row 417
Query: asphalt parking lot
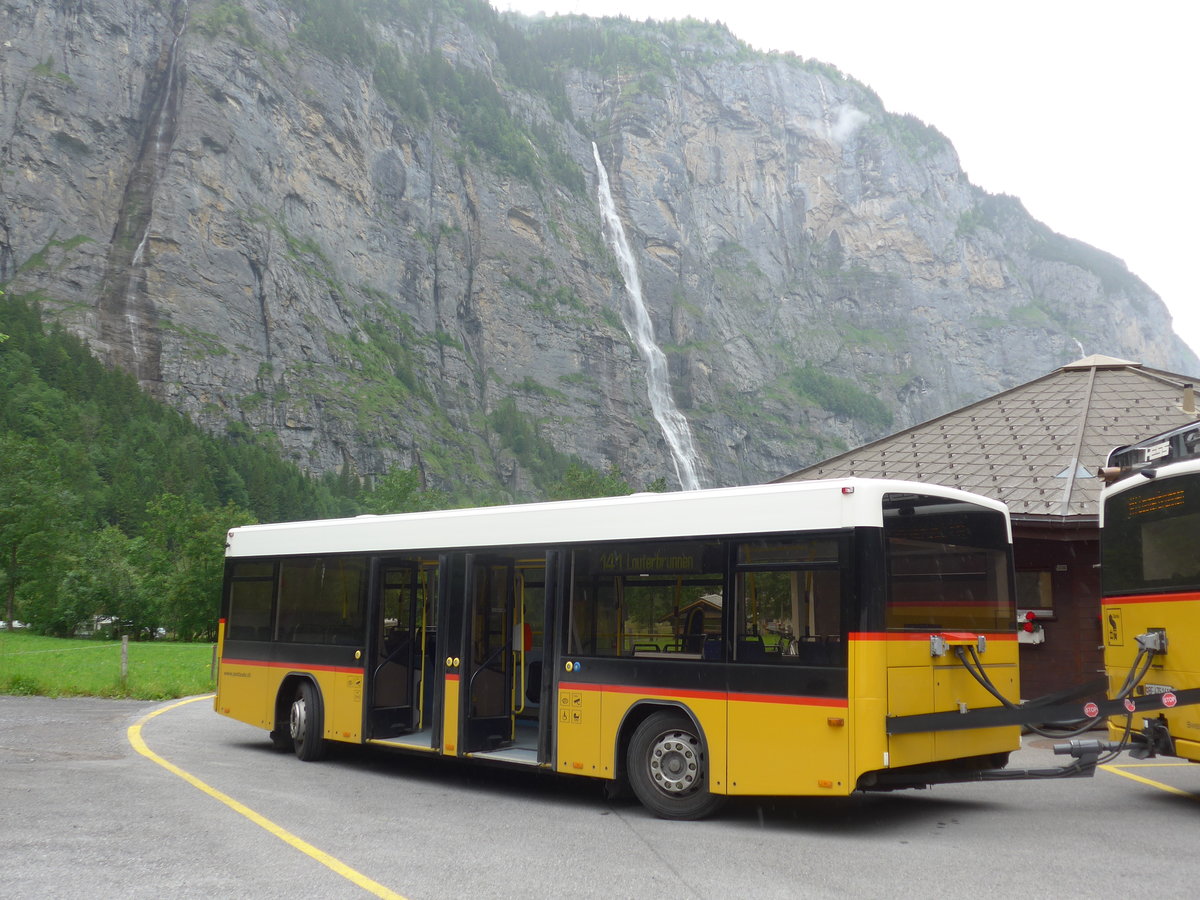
column 211, row 811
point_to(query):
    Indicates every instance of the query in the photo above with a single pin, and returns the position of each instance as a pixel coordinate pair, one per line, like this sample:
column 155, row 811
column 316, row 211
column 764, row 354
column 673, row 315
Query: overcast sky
column 1086, row 111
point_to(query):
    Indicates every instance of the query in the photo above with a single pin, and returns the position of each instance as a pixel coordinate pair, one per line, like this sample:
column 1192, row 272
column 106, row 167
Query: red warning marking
column 1130, row 705
column 1091, row 710
column 1169, row 699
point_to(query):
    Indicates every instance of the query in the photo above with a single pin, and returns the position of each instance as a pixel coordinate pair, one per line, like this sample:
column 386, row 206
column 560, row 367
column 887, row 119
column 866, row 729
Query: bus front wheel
column 668, row 768
column 306, row 723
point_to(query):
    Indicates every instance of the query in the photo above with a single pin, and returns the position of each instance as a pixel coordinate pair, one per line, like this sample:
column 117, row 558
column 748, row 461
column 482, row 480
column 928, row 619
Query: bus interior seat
column 694, row 629
column 750, row 648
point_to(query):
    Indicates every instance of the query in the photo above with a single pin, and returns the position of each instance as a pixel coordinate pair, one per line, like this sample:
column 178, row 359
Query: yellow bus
column 1150, row 565
column 692, row 646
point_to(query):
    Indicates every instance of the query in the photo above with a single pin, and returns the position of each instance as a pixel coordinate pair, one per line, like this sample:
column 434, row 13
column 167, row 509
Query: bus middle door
column 487, row 714
column 396, row 660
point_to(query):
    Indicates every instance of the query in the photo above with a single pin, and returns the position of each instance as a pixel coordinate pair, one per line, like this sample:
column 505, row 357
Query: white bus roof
column 768, row 508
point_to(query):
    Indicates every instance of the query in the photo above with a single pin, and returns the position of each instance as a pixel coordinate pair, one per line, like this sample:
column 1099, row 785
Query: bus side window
column 251, row 590
column 789, row 614
column 660, row 599
column 595, row 616
column 321, row 600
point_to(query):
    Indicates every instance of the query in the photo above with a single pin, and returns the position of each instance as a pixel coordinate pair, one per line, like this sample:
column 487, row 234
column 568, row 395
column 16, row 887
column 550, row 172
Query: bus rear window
column 947, row 565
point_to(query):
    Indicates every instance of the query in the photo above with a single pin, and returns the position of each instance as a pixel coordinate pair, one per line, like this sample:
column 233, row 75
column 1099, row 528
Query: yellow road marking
column 1119, row 770
column 1178, row 765
column 135, row 739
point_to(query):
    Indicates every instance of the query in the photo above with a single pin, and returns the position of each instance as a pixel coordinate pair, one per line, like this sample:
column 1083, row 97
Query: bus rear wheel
column 306, row 724
column 668, row 768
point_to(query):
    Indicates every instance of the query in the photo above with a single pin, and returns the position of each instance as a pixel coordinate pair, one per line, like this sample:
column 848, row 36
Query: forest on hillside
column 114, row 507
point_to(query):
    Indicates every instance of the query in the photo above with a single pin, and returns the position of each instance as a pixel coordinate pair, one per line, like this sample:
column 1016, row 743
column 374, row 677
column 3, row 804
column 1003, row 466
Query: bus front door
column 396, row 662
column 488, row 664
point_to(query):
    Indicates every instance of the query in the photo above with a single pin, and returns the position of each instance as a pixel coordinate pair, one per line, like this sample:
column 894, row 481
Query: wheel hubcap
column 297, row 720
column 675, row 762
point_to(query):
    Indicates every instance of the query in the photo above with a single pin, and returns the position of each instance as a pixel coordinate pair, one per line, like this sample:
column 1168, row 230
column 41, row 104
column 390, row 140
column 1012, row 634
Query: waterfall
column 637, row 322
column 127, row 312
column 162, row 114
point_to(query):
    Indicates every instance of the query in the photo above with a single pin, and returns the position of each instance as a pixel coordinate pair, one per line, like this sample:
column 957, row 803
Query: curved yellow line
column 1158, row 784
column 135, row 739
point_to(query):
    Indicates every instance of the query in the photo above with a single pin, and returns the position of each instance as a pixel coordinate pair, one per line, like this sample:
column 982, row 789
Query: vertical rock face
column 389, row 252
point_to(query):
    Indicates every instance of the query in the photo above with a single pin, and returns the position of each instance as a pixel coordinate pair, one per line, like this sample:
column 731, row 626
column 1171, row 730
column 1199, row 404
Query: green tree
column 37, row 521
column 118, row 448
column 56, row 603
column 400, row 490
column 104, row 579
column 184, row 561
column 583, row 481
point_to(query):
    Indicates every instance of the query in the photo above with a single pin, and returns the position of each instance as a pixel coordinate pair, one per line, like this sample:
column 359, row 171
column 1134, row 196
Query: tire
column 306, row 723
column 668, row 768
column 281, row 739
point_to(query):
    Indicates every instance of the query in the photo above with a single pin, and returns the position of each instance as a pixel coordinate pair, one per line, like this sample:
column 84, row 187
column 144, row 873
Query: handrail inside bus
column 518, row 687
column 423, row 584
column 491, row 657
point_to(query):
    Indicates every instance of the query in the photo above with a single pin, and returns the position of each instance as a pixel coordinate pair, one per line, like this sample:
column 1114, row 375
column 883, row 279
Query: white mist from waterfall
column 637, row 322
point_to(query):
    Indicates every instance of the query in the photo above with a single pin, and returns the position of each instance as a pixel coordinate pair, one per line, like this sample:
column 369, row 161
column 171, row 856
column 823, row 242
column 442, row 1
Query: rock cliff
column 372, row 231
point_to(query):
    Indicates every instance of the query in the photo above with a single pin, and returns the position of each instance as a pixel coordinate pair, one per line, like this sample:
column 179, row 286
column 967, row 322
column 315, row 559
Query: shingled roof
column 1037, row 446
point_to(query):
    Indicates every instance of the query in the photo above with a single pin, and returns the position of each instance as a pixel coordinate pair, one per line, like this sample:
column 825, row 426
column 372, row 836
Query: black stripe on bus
column 778, row 679
column 295, row 655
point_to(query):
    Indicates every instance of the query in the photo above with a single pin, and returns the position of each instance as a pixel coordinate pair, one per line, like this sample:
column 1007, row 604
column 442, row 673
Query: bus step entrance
column 521, row 749
column 519, row 755
column 417, row 740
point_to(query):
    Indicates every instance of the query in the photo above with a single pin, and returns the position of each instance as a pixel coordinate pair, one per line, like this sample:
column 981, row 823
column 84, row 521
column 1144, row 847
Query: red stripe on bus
column 1151, row 598
column 924, row 636
column 687, row 694
column 451, row 677
column 840, row 702
column 634, row 689
column 299, row 667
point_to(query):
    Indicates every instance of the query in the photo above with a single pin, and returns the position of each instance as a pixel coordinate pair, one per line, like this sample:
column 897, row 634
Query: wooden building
column 1038, row 447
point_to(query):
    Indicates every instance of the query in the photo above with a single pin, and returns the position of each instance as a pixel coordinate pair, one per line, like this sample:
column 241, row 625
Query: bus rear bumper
column 1085, row 755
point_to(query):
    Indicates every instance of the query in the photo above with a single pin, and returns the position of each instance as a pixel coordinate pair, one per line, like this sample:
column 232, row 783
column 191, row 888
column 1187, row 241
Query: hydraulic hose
column 1137, row 671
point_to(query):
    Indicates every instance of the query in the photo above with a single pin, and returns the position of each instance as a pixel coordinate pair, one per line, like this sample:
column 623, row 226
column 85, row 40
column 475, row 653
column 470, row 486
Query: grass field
column 56, row 667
